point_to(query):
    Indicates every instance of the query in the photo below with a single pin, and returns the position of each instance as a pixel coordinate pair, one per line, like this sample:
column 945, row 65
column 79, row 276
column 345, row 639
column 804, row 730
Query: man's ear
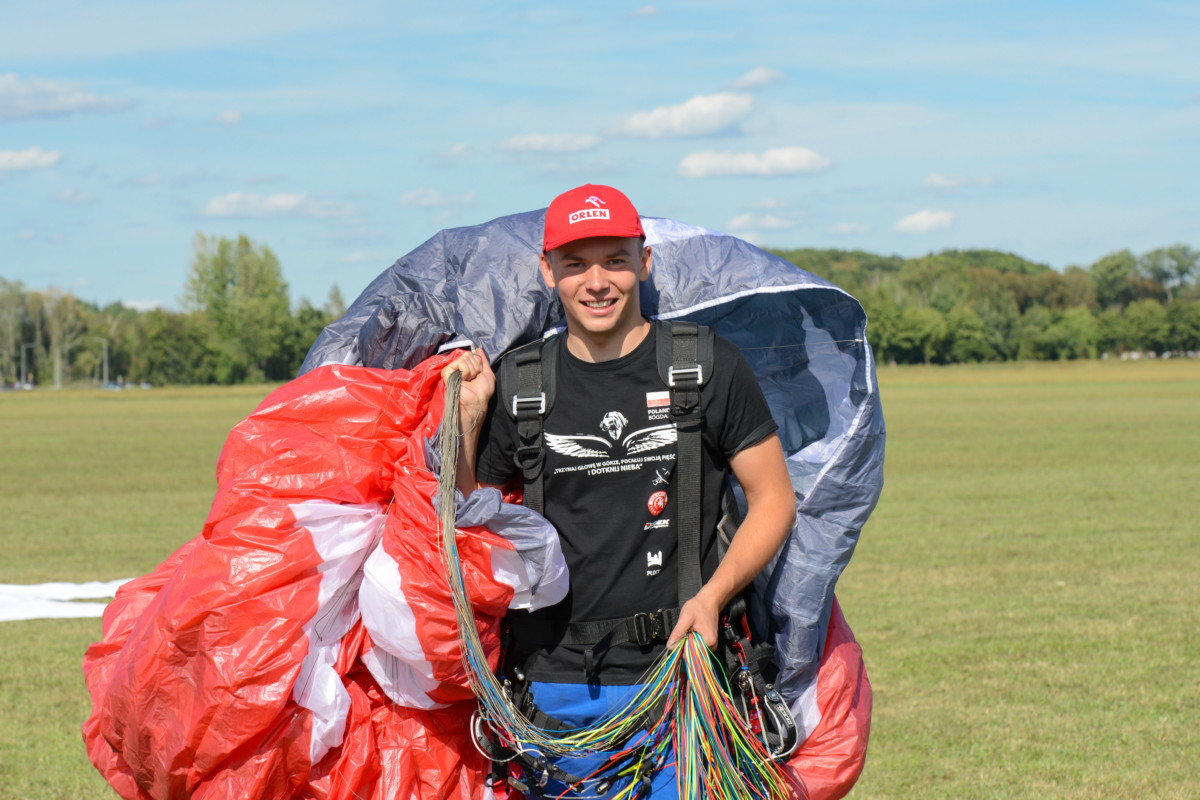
column 644, row 273
column 547, row 273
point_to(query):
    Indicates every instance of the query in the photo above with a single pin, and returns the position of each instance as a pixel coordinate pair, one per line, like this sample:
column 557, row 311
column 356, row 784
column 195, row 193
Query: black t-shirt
column 609, row 482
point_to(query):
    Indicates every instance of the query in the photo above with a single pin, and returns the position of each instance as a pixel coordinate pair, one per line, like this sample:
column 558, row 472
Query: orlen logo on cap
column 587, row 213
column 657, row 502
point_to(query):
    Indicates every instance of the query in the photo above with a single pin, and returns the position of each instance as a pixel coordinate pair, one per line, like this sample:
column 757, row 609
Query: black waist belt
column 642, row 629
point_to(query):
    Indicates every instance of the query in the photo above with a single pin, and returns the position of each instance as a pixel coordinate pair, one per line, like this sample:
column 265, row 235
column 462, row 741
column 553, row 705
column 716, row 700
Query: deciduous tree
column 240, row 289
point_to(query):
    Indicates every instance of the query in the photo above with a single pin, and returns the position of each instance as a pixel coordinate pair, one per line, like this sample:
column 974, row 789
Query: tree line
column 984, row 305
column 238, row 323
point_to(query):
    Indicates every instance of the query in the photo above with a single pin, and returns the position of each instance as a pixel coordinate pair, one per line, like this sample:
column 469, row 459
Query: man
column 609, row 474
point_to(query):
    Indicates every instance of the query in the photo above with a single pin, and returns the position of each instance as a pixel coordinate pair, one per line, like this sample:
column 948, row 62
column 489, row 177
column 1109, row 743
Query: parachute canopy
column 804, row 337
column 305, row 643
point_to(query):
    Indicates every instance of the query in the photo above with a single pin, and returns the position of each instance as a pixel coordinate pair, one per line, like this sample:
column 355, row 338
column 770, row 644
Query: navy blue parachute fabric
column 804, row 337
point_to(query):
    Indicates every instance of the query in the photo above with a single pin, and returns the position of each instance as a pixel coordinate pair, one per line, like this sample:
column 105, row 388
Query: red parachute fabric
column 830, row 760
column 252, row 663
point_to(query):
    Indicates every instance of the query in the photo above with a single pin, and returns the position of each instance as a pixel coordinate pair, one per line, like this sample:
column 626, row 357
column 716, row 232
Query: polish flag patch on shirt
column 658, row 399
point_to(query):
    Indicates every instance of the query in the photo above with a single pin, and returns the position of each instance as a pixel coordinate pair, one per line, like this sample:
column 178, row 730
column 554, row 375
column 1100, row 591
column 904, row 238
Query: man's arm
column 771, row 501
column 478, row 385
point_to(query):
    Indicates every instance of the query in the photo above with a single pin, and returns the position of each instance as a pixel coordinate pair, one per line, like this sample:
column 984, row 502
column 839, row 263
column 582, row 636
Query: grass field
column 1026, row 592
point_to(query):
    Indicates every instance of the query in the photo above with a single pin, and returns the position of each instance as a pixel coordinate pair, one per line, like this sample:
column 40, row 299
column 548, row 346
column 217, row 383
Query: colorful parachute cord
column 717, row 756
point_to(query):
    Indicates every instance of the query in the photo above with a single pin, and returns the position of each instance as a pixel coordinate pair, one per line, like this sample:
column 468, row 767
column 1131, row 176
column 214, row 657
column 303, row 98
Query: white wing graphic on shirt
column 650, row 439
column 578, row 445
column 584, row 446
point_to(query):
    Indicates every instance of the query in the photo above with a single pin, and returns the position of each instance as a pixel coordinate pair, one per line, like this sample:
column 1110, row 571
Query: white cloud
column 35, row 97
column 230, row 119
column 460, row 150
column 549, row 143
column 757, row 78
column 752, row 221
column 356, row 257
column 29, row 158
column 924, row 221
column 155, row 123
column 432, row 198
column 779, row 161
column 26, row 234
column 149, row 180
column 73, row 197
column 241, row 204
column 849, row 228
column 703, row 115
column 644, row 11
column 949, row 182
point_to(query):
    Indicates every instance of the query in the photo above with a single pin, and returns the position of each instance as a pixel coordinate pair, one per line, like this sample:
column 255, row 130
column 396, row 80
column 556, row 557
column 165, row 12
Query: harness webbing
column 681, row 704
column 685, row 358
column 532, row 369
column 679, row 351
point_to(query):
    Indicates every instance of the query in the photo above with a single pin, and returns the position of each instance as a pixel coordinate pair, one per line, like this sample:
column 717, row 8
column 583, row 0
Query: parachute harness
column 716, row 754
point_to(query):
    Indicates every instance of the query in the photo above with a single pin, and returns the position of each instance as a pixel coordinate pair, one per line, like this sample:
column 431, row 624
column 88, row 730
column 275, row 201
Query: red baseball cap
column 589, row 210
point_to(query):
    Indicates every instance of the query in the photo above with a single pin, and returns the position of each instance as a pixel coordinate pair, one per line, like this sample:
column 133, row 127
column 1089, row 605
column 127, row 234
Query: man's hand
column 478, row 385
column 700, row 614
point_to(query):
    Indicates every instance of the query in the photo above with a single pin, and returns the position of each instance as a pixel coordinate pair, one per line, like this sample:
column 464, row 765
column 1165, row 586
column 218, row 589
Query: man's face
column 598, row 283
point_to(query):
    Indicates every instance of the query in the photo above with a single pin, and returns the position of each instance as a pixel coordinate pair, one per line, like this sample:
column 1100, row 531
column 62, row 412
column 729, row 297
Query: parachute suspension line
column 717, row 756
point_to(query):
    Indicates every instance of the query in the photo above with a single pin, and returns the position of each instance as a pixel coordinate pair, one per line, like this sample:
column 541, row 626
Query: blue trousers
column 581, row 705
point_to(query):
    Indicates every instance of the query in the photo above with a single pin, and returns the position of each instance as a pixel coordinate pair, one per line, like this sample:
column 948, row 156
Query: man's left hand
column 700, row 614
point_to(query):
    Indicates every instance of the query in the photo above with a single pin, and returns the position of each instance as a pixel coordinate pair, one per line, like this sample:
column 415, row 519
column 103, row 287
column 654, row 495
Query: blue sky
column 343, row 135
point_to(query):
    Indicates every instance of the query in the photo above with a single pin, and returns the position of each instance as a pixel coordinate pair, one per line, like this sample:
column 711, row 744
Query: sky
column 344, row 135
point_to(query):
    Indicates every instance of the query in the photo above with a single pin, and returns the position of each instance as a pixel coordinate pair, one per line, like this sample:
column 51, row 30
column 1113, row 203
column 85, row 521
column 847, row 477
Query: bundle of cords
column 716, row 754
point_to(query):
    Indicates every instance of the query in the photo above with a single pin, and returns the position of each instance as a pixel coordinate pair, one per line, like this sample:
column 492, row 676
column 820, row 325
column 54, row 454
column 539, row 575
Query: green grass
column 1026, row 592
column 102, row 485
column 97, row 486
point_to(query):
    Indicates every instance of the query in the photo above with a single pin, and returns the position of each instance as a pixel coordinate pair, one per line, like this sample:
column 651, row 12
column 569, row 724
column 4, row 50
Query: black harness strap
column 640, row 628
column 685, row 360
column 684, row 364
column 531, row 370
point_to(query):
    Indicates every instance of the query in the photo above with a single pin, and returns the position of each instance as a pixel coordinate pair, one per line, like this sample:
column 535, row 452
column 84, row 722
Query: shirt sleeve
column 497, row 445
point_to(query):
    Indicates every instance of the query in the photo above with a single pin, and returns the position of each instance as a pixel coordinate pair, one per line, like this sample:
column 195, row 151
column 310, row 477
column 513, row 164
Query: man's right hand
column 478, row 385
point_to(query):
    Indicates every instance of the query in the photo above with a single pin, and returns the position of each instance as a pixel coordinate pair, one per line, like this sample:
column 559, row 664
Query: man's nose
column 596, row 277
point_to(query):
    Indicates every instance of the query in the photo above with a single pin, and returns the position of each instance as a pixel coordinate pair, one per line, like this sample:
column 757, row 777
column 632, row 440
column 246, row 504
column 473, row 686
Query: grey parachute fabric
column 804, row 337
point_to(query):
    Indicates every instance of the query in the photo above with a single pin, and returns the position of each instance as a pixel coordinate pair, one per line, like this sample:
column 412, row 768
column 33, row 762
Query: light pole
column 23, row 379
column 102, row 339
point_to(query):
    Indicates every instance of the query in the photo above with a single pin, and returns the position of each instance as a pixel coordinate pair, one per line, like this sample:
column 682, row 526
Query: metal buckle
column 641, row 629
column 648, row 626
column 697, row 370
column 525, row 402
column 778, row 717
